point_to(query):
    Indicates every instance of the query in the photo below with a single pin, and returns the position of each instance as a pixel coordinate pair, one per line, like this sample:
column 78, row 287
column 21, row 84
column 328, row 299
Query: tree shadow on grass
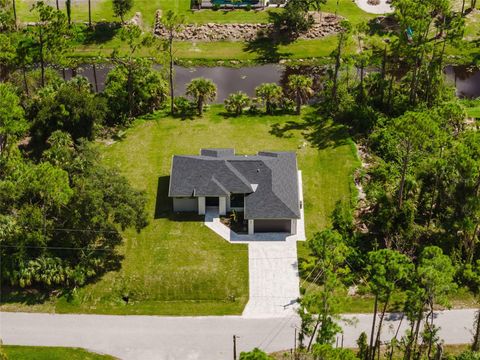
column 101, row 33
column 164, row 204
column 282, row 130
column 267, row 43
column 23, row 296
column 321, row 133
column 324, row 133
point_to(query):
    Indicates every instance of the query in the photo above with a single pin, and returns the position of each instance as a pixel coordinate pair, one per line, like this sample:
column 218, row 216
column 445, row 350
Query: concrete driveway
column 273, row 278
column 193, row 338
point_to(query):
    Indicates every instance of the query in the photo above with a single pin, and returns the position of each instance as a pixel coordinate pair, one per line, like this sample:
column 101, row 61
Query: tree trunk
column 337, row 68
column 130, row 91
column 42, row 61
column 430, row 341
column 403, row 178
column 200, row 105
column 172, row 89
column 383, row 73
column 14, row 5
column 396, row 336
column 362, row 76
column 299, row 103
column 417, row 331
column 25, row 82
column 379, row 330
column 56, row 2
column 95, row 80
column 375, row 310
column 313, row 334
column 476, row 338
column 89, row 13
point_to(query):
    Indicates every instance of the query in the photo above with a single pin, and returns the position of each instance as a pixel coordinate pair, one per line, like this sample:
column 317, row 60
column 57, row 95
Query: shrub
column 237, row 102
column 183, row 107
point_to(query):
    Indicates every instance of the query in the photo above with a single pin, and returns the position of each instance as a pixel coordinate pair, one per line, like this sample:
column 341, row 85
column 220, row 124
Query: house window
column 237, row 200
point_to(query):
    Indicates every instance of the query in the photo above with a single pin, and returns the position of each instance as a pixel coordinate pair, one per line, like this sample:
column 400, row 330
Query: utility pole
column 234, row 347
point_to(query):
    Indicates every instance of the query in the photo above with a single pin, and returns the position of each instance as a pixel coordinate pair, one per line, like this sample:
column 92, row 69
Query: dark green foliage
column 328, row 352
column 201, row 91
column 184, row 107
column 12, row 121
column 467, row 355
column 121, row 8
column 255, row 354
column 236, row 103
column 132, row 89
column 296, row 20
column 60, row 218
column 49, row 39
column 72, row 107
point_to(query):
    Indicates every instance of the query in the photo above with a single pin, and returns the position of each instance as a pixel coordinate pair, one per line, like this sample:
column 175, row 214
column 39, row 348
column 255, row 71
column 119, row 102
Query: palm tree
column 201, row 90
column 271, row 94
column 301, row 88
column 236, row 102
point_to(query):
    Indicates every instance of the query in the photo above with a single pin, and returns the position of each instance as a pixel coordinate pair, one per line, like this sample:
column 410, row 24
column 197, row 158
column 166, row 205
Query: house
column 265, row 187
column 229, row 4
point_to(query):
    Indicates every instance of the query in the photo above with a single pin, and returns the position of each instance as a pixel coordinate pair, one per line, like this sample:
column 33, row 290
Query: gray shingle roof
column 269, row 180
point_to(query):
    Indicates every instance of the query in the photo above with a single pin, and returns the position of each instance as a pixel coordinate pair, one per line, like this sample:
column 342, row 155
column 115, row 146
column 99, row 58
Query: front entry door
column 211, row 201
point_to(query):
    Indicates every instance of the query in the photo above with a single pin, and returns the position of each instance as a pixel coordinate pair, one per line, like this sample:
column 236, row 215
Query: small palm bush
column 237, row 102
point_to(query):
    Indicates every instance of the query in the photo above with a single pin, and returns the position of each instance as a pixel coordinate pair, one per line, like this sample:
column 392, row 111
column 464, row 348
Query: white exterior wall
column 251, row 227
column 222, row 205
column 294, row 227
column 201, row 205
column 228, row 203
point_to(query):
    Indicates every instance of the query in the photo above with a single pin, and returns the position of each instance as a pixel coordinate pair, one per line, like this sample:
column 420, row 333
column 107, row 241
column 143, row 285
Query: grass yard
column 50, row 353
column 202, row 52
column 214, row 52
column 177, row 266
column 102, row 11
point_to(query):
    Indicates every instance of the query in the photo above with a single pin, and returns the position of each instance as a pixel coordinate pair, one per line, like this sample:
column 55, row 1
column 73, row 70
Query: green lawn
column 204, row 52
column 50, row 353
column 177, row 266
column 215, row 52
column 102, row 11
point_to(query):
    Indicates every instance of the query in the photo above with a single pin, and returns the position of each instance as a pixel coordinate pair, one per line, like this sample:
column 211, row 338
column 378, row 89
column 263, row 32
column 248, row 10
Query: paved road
column 188, row 338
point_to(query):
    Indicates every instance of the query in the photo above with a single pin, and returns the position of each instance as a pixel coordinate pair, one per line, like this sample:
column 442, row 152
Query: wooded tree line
column 417, row 231
column 61, row 210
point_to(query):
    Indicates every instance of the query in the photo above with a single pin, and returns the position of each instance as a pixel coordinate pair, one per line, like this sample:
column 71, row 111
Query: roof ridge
column 238, row 174
column 274, row 193
column 220, row 185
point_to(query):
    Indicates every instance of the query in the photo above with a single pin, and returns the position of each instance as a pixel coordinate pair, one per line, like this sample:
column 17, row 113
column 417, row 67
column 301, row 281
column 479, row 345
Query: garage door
column 273, row 226
column 185, row 204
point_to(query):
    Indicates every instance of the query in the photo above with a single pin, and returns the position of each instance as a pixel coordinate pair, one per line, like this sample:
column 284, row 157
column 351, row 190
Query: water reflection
column 229, row 80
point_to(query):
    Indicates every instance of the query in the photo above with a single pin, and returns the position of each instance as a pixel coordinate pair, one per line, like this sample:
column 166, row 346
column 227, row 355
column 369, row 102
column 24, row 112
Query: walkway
column 190, row 338
column 382, row 8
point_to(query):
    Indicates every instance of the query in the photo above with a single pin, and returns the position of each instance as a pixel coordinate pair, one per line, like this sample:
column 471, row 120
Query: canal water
column 246, row 79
